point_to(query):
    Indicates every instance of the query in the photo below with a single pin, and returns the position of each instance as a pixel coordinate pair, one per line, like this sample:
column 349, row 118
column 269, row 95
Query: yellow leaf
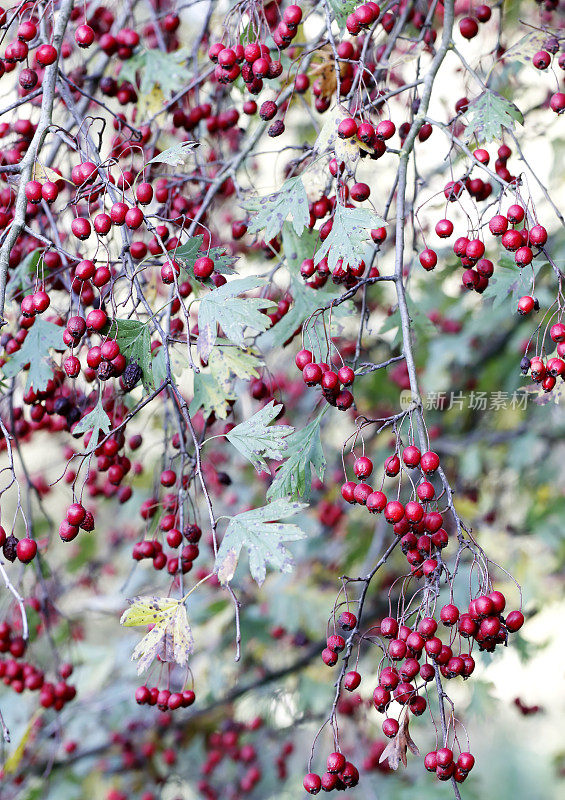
column 43, row 173
column 13, row 761
column 228, row 566
column 171, row 637
column 147, row 610
column 345, row 149
column 151, row 103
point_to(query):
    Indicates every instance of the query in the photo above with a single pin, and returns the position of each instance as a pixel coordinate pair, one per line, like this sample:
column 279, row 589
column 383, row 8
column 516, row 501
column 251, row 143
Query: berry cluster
column 23, row 675
column 153, row 549
column 469, row 26
column 164, row 699
column 340, row 775
column 419, row 528
column 24, row 550
column 333, row 383
column 255, row 64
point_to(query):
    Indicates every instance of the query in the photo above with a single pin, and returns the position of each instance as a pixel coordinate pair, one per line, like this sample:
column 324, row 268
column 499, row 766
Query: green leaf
column 233, row 314
column 271, row 211
column 134, row 338
column 305, row 300
column 509, row 281
column 261, row 533
column 298, row 247
column 213, row 389
column 171, row 637
column 188, row 252
column 487, row 116
column 210, row 396
column 23, row 276
column 341, row 9
column 227, row 363
column 349, row 236
column 41, row 338
column 255, row 439
column 156, row 68
column 305, row 453
column 97, row 420
column 175, row 156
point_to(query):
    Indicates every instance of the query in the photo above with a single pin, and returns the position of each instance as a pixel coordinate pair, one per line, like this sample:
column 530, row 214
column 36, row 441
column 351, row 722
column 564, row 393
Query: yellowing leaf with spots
column 171, row 637
column 147, row 610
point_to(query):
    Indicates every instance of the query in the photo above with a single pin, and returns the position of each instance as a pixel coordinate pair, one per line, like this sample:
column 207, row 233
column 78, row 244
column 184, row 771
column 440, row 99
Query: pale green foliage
column 261, row 533
column 488, row 115
column 41, row 338
column 271, row 211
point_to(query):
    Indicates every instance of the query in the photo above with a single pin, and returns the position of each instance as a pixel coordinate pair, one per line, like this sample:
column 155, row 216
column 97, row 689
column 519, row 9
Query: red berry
column 81, row 228
column 346, row 376
column 359, row 192
column 498, row 225
column 84, row 36
column 347, row 620
column 466, row 762
column 514, row 621
column 394, row 511
column 444, row 228
column 96, row 319
column 526, row 305
column 411, row 456
column 390, row 727
column 46, row 54
column 361, row 492
column 511, row 240
column 312, row 783
column 26, row 550
column 468, row 27
column 312, row 374
column 335, row 762
column 347, row 128
column 515, row 214
column 444, row 756
column 538, row 235
column 336, row 643
column 385, row 129
column 351, row 681
column 376, row 502
column 389, row 627
column 557, row 102
column 428, row 259
column 449, row 614
column 363, row 466
column 541, row 59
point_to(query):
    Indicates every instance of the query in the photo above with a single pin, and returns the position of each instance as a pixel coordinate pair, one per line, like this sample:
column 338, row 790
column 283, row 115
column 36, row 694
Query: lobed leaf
column 41, row 338
column 271, row 211
column 262, row 535
column 488, row 115
column 96, row 421
column 222, row 307
column 171, row 637
column 256, row 439
column 349, row 236
column 305, row 453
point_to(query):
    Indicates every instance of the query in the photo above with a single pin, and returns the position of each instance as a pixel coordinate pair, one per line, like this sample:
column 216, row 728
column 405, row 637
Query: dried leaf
column 395, row 751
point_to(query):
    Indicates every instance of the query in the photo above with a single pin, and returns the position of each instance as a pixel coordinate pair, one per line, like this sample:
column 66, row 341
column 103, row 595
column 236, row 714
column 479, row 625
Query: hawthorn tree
column 282, row 354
